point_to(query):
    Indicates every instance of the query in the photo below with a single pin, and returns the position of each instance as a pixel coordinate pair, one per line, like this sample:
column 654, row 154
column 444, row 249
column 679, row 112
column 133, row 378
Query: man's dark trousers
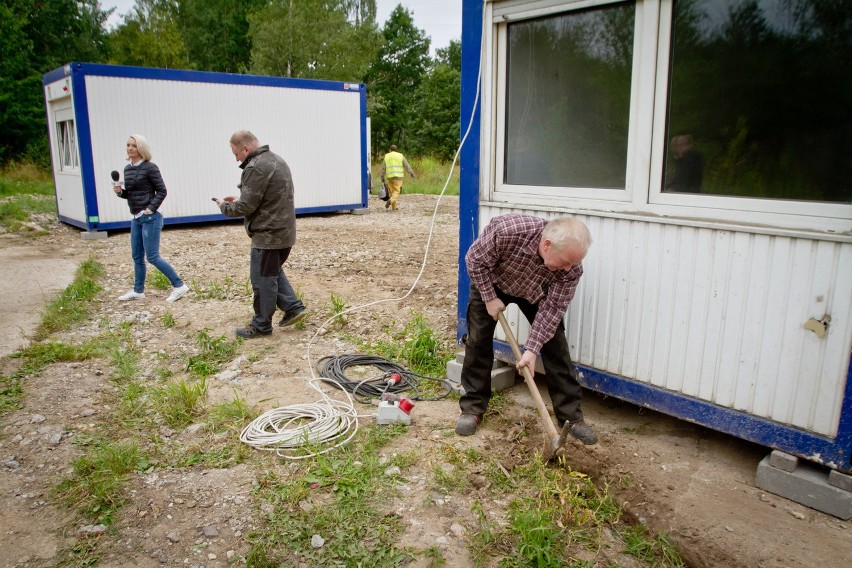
column 560, row 372
column 270, row 287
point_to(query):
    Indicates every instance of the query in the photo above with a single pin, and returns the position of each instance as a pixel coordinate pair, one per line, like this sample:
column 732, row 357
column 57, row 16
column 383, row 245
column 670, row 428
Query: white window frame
column 66, row 140
column 644, row 169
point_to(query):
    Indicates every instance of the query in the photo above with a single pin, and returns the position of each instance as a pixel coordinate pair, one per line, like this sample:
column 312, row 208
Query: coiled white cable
column 333, row 423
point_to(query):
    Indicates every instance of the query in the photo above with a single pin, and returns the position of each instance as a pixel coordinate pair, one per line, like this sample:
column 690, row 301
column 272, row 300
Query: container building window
column 760, row 100
column 67, row 137
column 568, row 98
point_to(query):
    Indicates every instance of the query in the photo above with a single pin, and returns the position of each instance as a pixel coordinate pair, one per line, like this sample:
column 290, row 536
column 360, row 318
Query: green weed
column 214, row 352
column 72, row 305
column 125, row 363
column 231, row 415
column 659, row 551
column 95, row 490
column 337, row 496
column 419, row 347
column 225, row 289
column 168, row 319
column 180, row 403
column 158, row 280
column 337, row 307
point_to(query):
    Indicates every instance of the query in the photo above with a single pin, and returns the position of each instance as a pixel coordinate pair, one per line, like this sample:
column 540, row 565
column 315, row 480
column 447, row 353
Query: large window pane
column 568, row 98
column 761, row 99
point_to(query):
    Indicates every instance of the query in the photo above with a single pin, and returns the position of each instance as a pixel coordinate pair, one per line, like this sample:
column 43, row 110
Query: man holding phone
column 267, row 205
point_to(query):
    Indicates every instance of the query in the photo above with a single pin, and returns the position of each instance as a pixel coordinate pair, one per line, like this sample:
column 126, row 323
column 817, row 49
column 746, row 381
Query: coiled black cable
column 334, row 368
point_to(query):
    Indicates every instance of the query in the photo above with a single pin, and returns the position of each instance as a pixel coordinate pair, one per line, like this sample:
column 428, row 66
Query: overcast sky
column 440, row 19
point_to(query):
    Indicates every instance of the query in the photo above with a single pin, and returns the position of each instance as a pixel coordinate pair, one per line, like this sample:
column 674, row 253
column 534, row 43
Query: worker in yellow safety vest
column 393, row 168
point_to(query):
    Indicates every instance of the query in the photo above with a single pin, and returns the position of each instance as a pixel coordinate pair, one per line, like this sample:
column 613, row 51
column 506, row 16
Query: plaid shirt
column 506, row 256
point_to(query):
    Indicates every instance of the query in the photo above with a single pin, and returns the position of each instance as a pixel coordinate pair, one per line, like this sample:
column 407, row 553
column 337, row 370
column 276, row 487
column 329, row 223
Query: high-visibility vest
column 393, row 165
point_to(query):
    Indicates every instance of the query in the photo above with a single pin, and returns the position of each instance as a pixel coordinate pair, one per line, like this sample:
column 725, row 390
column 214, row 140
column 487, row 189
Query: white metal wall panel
column 714, row 314
column 189, row 124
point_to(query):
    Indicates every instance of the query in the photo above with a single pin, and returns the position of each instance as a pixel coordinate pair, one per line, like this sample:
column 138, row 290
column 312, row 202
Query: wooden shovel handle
column 528, row 379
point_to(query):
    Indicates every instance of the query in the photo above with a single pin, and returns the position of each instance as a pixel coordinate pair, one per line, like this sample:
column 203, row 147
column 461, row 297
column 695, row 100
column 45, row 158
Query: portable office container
column 727, row 304
column 318, row 127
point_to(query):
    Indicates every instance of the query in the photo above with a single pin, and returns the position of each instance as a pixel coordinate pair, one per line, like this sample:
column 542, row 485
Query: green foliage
column 339, row 496
column 656, row 550
column 214, row 352
column 431, row 173
column 168, row 319
column 72, row 304
column 436, row 124
column 38, row 37
column 231, row 415
column 393, row 78
column 25, row 178
column 539, row 539
column 225, row 289
column 312, row 39
column 180, row 403
column 336, row 308
column 149, row 36
column 125, row 363
column 216, row 33
column 96, row 487
column 418, row 346
column 158, row 280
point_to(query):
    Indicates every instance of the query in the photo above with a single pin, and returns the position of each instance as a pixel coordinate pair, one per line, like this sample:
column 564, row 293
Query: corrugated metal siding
column 715, row 314
column 188, row 125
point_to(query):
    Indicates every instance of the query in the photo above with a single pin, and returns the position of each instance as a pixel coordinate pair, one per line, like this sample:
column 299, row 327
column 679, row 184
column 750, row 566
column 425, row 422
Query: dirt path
column 33, row 272
column 689, row 482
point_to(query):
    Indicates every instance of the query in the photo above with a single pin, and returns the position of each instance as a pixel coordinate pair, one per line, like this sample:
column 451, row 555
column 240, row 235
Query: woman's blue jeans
column 145, row 244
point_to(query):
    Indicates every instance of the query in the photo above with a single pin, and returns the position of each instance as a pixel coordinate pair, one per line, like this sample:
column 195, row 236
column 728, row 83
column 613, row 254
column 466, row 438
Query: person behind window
column 688, row 166
column 145, row 192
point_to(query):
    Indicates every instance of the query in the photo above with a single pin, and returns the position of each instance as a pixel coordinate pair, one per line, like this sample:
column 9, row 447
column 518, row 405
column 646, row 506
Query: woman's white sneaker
column 177, row 293
column 132, row 296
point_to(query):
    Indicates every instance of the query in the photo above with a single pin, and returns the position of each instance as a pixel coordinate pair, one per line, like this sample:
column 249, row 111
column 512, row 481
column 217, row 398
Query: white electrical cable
column 292, row 431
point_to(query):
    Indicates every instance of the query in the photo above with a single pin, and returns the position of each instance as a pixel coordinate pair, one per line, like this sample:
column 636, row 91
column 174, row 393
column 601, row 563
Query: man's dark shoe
column 250, row 332
column 387, row 204
column 467, row 423
column 289, row 318
column 583, row 432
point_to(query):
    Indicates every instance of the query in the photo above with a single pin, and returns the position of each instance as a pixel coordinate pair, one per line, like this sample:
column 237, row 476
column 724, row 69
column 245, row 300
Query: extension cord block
column 390, row 413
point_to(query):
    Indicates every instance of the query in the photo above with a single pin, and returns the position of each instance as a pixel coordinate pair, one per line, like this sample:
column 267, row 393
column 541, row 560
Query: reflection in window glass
column 68, row 157
column 568, row 98
column 760, row 100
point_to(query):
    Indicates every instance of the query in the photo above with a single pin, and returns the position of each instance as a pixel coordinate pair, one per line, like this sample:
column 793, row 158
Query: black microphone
column 114, row 175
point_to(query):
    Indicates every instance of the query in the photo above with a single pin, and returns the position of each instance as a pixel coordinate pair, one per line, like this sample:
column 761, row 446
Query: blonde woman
column 145, row 192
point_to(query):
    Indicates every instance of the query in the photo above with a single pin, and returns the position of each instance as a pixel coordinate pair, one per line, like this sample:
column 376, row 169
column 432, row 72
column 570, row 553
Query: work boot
column 583, row 432
column 250, row 332
column 467, row 423
column 290, row 318
column 387, row 204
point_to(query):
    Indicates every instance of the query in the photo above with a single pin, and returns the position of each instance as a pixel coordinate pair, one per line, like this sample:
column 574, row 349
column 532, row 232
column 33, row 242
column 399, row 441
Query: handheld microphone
column 114, row 175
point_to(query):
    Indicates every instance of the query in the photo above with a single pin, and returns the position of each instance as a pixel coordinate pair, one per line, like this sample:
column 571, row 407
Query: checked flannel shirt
column 506, row 256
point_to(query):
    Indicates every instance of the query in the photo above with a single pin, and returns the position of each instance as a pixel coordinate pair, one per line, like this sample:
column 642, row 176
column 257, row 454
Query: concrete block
column 93, row 235
column 807, row 485
column 454, row 369
column 783, row 461
column 503, row 378
column 360, row 211
column 840, row 480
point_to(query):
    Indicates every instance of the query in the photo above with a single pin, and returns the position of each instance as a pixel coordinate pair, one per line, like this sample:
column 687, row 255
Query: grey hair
column 567, row 231
column 244, row 137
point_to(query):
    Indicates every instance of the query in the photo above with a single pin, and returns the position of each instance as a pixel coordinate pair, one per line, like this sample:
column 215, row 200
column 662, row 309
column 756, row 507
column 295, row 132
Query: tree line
column 412, row 98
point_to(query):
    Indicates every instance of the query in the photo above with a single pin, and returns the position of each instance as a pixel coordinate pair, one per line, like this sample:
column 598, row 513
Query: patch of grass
column 158, row 280
column 337, row 496
column 134, row 405
column 168, row 319
column 125, row 363
column 24, row 190
column 95, row 490
column 336, row 308
column 231, row 415
column 214, row 352
column 539, row 539
column 419, row 347
column 35, row 358
column 658, row 550
column 72, row 305
column 180, row 403
column 225, row 289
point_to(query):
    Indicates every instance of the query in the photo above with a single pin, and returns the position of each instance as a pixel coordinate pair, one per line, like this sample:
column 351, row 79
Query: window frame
column 644, row 170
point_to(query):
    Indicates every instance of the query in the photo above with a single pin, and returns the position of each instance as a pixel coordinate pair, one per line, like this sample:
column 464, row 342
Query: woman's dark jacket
column 143, row 187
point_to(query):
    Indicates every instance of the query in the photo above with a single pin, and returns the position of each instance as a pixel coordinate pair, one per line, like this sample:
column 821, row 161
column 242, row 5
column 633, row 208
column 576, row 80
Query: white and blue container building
column 727, row 302
column 319, row 127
